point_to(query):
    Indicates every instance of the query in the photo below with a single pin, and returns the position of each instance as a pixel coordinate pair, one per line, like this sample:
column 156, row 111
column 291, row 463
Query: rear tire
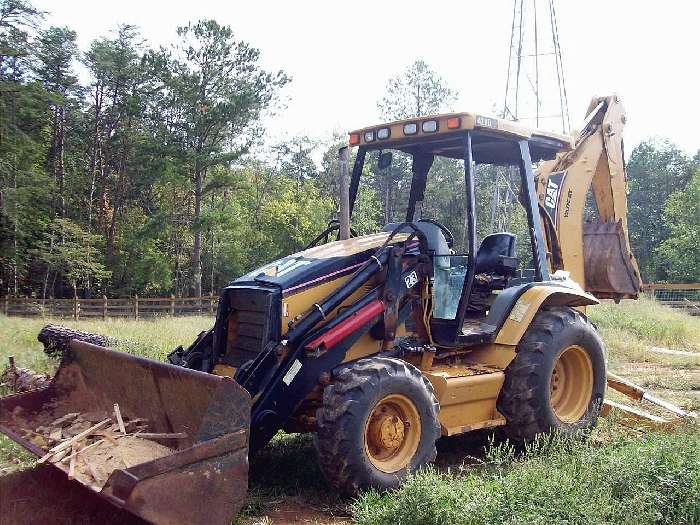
column 556, row 383
column 379, row 421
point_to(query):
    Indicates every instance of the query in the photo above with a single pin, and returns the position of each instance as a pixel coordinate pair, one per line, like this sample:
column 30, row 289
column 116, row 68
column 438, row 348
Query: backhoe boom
column 588, row 237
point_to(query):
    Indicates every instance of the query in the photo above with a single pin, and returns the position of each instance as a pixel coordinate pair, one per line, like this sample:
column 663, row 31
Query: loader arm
column 590, row 237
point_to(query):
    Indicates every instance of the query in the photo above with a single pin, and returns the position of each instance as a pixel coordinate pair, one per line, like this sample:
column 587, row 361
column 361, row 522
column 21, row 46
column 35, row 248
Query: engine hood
column 294, row 273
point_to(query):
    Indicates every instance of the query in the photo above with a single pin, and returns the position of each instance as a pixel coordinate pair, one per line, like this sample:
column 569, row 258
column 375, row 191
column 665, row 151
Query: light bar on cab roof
column 406, row 132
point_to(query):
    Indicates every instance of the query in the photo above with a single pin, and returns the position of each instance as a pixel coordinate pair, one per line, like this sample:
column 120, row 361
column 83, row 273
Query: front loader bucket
column 203, row 480
column 610, row 270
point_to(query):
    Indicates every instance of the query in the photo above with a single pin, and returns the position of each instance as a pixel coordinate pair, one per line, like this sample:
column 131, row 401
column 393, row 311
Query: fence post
column 136, row 306
column 211, row 305
column 172, row 305
column 76, row 307
column 104, row 307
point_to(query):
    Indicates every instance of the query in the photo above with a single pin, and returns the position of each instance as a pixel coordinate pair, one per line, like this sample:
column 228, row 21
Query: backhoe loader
column 380, row 344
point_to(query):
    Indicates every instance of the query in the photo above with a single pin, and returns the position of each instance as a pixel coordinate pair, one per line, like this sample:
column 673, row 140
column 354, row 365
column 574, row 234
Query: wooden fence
column 132, row 307
column 681, row 296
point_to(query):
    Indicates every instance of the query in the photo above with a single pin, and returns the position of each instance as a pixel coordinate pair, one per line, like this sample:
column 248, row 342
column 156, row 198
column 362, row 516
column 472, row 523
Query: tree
column 55, row 52
column 216, row 93
column 119, row 135
column 679, row 254
column 416, row 92
column 17, row 19
column 294, row 159
column 21, row 126
column 657, row 168
column 70, row 257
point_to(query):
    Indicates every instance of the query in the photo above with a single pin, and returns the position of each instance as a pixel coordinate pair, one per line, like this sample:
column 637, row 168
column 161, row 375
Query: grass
column 151, row 338
column 654, row 479
column 615, row 477
column 631, row 327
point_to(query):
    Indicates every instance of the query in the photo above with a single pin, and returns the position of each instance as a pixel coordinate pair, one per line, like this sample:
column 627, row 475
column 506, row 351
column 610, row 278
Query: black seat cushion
column 497, row 254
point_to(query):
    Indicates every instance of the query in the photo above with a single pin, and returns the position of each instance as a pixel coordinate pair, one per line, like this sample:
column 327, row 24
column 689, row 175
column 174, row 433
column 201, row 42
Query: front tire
column 556, row 383
column 379, row 421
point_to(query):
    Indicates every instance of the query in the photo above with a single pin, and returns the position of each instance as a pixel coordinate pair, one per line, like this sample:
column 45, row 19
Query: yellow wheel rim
column 571, row 385
column 392, row 433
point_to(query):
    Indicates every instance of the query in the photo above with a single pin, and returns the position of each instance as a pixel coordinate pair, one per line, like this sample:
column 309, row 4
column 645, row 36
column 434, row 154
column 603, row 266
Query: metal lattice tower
column 535, row 87
column 535, row 90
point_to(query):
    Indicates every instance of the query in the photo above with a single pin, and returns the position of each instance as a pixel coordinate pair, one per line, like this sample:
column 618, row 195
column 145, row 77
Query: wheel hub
column 571, row 384
column 387, row 431
column 392, row 433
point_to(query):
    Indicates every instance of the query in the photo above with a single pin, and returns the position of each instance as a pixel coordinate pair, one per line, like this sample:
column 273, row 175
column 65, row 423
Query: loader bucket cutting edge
column 204, row 480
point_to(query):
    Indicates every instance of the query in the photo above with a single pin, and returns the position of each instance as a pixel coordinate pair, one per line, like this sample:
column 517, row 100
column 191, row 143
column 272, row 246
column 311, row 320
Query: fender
column 530, row 302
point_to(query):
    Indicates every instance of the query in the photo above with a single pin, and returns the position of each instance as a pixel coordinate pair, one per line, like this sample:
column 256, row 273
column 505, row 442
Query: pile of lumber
column 92, row 445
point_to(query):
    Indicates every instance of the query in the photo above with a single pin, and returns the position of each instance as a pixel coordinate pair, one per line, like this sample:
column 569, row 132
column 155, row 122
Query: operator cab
column 470, row 286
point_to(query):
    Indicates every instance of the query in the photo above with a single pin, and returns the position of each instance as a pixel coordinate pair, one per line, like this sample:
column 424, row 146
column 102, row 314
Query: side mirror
column 384, row 160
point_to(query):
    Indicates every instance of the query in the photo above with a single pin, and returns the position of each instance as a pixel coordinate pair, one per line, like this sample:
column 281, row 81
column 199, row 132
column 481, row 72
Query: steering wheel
column 324, row 236
column 444, row 229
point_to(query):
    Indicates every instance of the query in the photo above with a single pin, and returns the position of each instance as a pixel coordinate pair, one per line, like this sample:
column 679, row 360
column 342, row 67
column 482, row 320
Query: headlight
column 369, row 136
column 383, row 133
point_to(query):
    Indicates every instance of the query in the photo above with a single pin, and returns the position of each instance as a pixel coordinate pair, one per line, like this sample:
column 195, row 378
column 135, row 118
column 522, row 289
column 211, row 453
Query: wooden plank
column 120, row 421
column 71, row 466
column 668, row 351
column 634, row 417
column 625, row 387
column 161, row 435
column 78, row 437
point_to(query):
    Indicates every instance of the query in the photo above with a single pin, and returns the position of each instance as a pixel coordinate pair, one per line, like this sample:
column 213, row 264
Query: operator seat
column 496, row 255
column 495, row 264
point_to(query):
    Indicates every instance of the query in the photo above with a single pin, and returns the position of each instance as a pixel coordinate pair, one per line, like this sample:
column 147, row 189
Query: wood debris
column 91, row 445
column 22, row 379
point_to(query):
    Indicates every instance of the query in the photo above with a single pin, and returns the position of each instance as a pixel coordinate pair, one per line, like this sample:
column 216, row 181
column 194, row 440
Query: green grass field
column 617, row 476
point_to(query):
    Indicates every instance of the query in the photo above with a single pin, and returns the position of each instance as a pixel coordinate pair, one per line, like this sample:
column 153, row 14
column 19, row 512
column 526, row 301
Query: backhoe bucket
column 610, row 270
column 205, row 477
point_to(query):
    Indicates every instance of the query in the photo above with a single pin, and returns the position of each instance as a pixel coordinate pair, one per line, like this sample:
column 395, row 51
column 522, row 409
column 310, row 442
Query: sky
column 340, row 55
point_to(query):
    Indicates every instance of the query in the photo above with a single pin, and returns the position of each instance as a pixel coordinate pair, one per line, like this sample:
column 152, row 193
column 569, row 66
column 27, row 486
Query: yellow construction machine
column 380, row 344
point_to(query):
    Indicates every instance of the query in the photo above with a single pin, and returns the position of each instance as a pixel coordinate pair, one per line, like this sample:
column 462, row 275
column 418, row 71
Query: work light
column 429, row 126
column 410, row 129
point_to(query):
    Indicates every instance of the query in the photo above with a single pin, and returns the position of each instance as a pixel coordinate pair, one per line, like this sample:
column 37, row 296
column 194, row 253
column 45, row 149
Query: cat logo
column 550, row 198
column 552, row 193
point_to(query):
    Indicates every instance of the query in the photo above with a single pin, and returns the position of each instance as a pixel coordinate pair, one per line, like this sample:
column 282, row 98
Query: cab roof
column 493, row 140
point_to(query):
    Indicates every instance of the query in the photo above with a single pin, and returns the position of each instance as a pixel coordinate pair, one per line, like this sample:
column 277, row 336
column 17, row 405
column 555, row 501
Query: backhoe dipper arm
column 595, row 250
